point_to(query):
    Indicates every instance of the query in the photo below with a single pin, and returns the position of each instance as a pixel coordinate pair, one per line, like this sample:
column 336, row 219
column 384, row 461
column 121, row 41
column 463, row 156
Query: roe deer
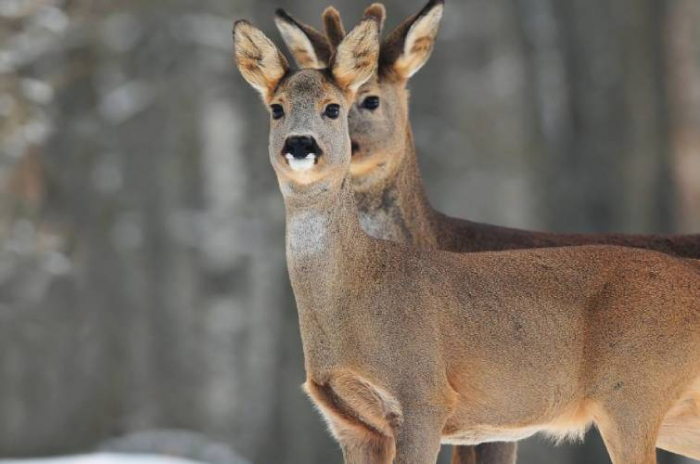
column 388, row 186
column 389, row 191
column 407, row 347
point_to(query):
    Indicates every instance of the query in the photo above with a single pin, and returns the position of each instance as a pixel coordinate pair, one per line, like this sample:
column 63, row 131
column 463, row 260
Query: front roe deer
column 407, row 347
column 388, row 186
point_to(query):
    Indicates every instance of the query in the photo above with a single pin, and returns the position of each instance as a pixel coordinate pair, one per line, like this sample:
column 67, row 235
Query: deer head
column 378, row 118
column 309, row 142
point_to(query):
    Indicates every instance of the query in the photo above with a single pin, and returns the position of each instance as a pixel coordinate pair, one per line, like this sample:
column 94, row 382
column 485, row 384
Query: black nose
column 300, row 146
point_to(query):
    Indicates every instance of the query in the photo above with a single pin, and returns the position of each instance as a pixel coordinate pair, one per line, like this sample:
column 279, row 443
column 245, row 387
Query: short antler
column 333, row 24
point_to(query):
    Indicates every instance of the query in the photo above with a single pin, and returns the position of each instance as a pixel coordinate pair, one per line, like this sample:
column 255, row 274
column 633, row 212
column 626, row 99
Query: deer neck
column 398, row 209
column 325, row 243
column 327, row 256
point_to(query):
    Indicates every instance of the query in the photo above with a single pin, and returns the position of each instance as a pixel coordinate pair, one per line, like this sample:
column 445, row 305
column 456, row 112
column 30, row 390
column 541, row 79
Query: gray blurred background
column 142, row 274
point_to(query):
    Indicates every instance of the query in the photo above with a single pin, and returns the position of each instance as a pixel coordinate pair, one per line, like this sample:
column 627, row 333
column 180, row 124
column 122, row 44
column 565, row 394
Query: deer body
column 499, row 346
column 407, row 347
column 397, row 209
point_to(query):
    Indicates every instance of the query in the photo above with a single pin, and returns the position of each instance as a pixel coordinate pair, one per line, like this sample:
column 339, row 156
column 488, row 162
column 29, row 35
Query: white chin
column 303, row 164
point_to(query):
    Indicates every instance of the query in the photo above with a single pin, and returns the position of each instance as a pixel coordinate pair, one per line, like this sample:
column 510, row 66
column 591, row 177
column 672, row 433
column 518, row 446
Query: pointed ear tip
column 431, row 5
column 282, row 15
column 241, row 24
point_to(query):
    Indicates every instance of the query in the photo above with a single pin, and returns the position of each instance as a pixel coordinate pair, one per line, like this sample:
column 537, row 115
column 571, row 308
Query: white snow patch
column 102, row 458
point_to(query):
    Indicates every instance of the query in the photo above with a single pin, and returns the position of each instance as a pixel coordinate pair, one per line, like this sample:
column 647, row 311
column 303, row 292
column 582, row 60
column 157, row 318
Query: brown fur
column 393, row 204
column 376, row 11
column 423, row 327
column 333, row 25
column 309, row 47
column 409, row 46
column 258, row 59
column 359, row 54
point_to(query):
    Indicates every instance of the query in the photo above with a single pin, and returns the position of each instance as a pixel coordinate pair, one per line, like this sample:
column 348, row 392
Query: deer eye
column 332, row 111
column 277, row 111
column 371, row 102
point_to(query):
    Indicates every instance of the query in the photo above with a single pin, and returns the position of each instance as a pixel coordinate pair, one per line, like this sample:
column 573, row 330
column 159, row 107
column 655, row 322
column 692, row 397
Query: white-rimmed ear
column 259, row 60
column 409, row 46
column 356, row 58
column 309, row 47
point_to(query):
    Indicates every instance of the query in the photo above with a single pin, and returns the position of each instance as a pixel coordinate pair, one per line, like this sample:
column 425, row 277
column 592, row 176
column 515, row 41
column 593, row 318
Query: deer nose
column 300, row 146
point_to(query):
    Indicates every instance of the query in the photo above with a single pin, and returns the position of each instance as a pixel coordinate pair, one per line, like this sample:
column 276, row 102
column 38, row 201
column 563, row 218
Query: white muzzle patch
column 301, row 164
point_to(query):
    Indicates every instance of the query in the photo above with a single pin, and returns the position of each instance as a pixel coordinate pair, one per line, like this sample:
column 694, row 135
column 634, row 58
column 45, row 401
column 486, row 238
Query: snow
column 103, row 458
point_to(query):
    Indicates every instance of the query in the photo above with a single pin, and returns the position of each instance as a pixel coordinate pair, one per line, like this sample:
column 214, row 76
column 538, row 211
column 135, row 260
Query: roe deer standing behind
column 389, row 190
column 407, row 347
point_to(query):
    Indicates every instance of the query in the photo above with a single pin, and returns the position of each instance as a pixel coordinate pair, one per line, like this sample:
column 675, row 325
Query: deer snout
column 300, row 146
column 301, row 152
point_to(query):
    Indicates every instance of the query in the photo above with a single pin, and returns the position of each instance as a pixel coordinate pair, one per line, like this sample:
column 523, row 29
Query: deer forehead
column 308, row 87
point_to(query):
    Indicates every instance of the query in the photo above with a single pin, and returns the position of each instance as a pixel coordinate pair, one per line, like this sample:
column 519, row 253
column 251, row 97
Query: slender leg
column 464, row 455
column 629, row 439
column 418, row 438
column 488, row 453
column 496, row 453
column 368, row 449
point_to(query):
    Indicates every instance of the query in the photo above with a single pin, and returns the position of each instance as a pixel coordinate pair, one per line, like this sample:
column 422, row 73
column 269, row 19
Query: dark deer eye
column 332, row 111
column 371, row 103
column 277, row 111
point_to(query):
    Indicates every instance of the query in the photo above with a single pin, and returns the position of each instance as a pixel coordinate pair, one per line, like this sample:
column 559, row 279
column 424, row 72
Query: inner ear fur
column 356, row 58
column 409, row 46
column 259, row 60
column 309, row 47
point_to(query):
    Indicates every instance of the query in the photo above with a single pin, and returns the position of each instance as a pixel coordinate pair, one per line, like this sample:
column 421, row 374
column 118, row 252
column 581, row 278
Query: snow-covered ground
column 149, row 447
column 103, row 458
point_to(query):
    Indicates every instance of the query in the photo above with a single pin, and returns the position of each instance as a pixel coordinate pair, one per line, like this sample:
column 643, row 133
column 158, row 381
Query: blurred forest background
column 142, row 272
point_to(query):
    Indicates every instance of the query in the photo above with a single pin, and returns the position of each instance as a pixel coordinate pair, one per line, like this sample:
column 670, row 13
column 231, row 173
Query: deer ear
column 259, row 60
column 378, row 12
column 356, row 58
column 309, row 47
column 409, row 46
